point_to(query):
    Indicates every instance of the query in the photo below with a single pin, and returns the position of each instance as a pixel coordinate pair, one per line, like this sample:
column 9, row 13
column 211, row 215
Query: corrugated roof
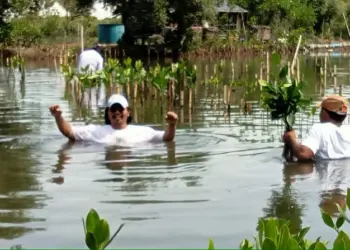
column 230, row 9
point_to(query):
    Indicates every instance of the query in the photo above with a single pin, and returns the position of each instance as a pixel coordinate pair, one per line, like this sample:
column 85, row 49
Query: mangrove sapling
column 274, row 234
column 283, row 100
column 97, row 232
column 128, row 74
column 139, row 77
column 191, row 78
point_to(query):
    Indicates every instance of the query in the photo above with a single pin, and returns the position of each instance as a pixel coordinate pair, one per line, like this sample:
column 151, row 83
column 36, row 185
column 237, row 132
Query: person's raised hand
column 171, row 118
column 55, row 111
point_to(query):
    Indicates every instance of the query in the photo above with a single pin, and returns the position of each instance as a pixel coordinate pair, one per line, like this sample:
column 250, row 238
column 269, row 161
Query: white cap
column 116, row 98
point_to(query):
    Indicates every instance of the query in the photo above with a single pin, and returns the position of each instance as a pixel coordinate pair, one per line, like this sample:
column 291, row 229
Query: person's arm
column 301, row 152
column 64, row 127
column 307, row 149
column 169, row 133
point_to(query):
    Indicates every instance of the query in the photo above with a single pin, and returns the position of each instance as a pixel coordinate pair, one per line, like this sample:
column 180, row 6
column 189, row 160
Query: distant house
column 236, row 15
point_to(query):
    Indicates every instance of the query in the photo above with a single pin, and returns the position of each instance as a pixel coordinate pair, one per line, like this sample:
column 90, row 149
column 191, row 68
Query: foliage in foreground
column 273, row 233
column 97, row 233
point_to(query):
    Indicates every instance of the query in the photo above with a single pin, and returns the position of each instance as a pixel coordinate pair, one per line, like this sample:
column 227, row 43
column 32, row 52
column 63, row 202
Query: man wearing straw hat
column 327, row 140
column 92, row 58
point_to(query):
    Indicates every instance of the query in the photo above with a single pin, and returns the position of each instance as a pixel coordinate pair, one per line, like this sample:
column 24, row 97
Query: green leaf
column 268, row 244
column 339, row 222
column 261, row 227
column 302, row 233
column 271, row 230
column 246, row 244
column 262, row 83
column 283, row 72
column 102, row 233
column 327, row 219
column 312, row 246
column 284, row 237
column 348, row 198
column 341, row 210
column 292, row 244
column 92, row 220
column 339, row 244
column 275, row 58
column 90, row 241
column 345, row 239
column 320, row 246
column 211, row 245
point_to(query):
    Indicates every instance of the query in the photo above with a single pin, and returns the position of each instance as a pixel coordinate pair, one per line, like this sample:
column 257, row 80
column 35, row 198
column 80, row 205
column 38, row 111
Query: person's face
column 118, row 116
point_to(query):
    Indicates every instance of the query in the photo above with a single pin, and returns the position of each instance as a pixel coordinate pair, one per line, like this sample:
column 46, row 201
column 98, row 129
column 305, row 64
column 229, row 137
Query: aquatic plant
column 162, row 80
column 97, row 232
column 273, row 233
column 283, row 99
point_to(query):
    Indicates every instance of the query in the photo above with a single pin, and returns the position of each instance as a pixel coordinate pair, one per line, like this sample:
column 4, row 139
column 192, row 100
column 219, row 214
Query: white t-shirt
column 132, row 134
column 92, row 58
column 328, row 141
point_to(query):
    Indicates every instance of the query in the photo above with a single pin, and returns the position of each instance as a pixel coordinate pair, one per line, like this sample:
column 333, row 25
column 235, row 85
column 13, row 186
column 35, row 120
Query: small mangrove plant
column 132, row 77
column 283, row 97
column 97, row 231
column 274, row 233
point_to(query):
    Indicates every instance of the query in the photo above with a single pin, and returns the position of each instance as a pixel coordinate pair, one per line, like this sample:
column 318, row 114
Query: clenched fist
column 171, row 118
column 55, row 111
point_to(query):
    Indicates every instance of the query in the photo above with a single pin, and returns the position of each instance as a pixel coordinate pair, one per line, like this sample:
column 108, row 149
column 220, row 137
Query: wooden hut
column 236, row 15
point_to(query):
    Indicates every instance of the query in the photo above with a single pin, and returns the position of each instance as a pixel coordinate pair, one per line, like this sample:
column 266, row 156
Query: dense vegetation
column 322, row 18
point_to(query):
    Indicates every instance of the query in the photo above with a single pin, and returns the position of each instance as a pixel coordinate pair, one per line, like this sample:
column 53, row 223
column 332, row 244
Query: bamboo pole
column 295, row 55
column 346, row 23
column 82, row 37
column 335, row 78
column 267, row 66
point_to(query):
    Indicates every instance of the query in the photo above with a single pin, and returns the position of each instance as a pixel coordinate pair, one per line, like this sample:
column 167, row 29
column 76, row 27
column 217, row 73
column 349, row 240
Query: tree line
column 323, row 18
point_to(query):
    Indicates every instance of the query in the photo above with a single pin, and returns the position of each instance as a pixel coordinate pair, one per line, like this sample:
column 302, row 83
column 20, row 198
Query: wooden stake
column 295, row 55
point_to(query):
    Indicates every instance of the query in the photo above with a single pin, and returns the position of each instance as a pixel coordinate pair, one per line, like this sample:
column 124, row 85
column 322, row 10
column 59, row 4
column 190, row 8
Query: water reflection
column 333, row 177
column 215, row 161
column 284, row 203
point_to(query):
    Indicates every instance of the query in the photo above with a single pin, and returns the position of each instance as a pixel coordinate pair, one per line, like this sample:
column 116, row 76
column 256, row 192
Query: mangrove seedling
column 274, row 234
column 97, row 233
column 283, row 100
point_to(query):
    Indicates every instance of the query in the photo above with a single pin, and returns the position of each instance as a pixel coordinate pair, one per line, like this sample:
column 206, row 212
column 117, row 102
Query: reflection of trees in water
column 17, row 175
column 284, row 203
column 17, row 172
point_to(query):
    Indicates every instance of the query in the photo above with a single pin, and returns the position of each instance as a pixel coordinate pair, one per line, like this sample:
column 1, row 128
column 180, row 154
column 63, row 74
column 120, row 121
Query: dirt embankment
column 39, row 53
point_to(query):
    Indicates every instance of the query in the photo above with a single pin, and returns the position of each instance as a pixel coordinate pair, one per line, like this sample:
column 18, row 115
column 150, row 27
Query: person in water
column 117, row 128
column 327, row 140
column 92, row 58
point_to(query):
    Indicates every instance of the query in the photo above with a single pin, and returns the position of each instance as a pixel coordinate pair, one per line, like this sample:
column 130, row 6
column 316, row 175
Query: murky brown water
column 215, row 180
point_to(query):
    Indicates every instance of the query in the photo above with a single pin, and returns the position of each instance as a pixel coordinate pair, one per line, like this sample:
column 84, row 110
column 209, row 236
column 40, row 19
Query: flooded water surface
column 215, row 180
